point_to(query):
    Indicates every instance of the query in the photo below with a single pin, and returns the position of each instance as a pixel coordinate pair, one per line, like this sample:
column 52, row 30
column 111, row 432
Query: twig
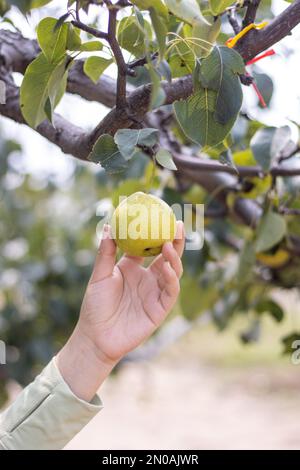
column 121, row 102
column 288, row 211
column 110, row 37
column 142, row 61
column 88, row 29
column 233, row 20
column 251, row 12
column 77, row 10
column 289, row 155
column 215, row 213
column 123, row 4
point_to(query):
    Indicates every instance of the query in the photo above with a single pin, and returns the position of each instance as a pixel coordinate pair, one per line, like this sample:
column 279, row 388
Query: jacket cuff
column 46, row 415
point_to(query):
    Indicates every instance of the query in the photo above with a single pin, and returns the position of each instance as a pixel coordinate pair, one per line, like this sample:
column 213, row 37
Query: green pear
column 142, row 223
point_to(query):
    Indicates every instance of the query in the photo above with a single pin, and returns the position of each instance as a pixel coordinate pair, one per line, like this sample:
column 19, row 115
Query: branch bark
column 16, row 52
column 249, row 46
column 121, row 102
column 208, row 166
column 70, row 138
column 257, row 41
column 251, row 12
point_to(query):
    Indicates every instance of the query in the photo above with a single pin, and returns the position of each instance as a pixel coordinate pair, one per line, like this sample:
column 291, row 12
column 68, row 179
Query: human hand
column 124, row 303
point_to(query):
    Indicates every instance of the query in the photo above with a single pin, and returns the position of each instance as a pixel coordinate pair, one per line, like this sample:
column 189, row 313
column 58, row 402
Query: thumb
column 106, row 256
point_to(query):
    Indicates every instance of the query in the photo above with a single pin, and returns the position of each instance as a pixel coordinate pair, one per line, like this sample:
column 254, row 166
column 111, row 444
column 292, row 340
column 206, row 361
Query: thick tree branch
column 257, row 41
column 18, row 52
column 70, row 138
column 138, row 105
column 208, row 166
column 252, row 44
column 104, row 91
column 17, row 56
column 245, row 210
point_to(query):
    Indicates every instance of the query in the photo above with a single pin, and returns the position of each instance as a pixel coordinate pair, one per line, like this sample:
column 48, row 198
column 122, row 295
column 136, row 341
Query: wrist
column 82, row 365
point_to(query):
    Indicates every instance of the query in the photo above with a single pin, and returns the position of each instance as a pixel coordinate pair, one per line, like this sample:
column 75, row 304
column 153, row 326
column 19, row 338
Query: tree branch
column 233, row 21
column 104, row 91
column 252, row 44
column 88, row 29
column 251, row 12
column 17, row 57
column 256, row 41
column 17, row 52
column 208, row 166
column 70, row 138
column 121, row 102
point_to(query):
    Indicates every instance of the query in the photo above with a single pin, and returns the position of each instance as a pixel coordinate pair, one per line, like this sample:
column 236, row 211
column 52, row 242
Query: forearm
column 46, row 415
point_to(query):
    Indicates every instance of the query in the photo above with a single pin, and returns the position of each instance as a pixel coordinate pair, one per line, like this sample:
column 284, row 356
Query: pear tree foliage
column 178, row 126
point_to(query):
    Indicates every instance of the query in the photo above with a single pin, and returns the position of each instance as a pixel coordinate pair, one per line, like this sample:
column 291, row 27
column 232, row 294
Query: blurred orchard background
column 203, row 381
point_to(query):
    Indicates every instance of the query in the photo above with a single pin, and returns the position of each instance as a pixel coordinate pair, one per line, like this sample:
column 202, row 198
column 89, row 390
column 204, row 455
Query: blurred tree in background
column 207, row 150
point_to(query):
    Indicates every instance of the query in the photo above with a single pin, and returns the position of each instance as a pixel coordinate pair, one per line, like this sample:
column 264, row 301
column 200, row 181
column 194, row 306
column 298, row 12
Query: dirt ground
column 188, row 399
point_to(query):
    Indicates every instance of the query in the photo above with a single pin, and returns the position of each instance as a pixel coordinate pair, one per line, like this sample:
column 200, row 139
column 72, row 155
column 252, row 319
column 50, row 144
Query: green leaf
column 156, row 4
column 165, row 159
column 61, row 20
column 25, row 5
column 73, row 38
column 158, row 94
column 226, row 158
column 53, row 43
column 187, row 10
column 269, row 306
column 219, row 72
column 42, row 80
column 39, row 3
column 268, row 143
column 128, row 140
column 196, row 116
column 219, row 6
column 246, row 263
column 161, row 31
column 107, row 153
column 91, row 46
column 131, row 36
column 205, row 35
column 74, row 42
column 181, row 60
column 192, row 296
column 291, row 342
column 95, row 66
column 48, row 110
column 265, row 86
column 271, row 231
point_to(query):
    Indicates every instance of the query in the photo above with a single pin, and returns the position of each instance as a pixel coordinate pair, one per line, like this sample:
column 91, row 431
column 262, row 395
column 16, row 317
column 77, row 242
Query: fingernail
column 105, row 231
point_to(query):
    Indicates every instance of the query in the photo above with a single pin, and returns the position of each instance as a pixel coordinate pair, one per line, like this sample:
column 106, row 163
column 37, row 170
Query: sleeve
column 46, row 415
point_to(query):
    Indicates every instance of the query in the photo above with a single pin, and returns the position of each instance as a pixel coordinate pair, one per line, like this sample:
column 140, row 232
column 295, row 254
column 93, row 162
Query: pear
column 142, row 223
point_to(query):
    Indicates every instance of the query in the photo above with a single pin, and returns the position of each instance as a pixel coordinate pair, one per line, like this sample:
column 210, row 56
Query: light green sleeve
column 46, row 415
